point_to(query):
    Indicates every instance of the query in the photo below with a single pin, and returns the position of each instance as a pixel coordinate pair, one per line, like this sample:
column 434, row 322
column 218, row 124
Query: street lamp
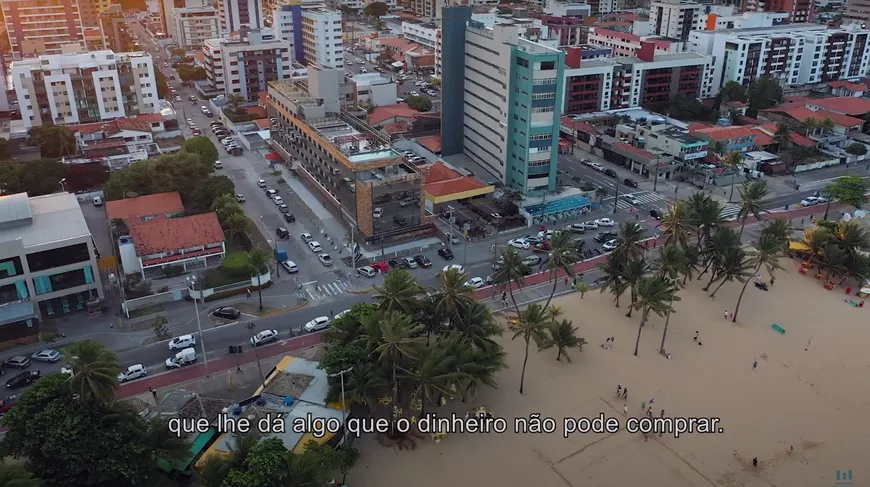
column 497, row 218
column 343, row 404
column 62, row 187
column 250, row 327
column 191, row 285
column 450, row 220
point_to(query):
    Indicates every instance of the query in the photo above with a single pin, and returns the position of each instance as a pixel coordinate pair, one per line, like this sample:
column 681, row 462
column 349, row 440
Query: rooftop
column 803, row 113
column 41, row 220
column 442, row 180
column 145, row 206
column 383, row 113
column 725, row 133
column 848, row 85
column 846, row 105
column 432, row 143
column 172, row 234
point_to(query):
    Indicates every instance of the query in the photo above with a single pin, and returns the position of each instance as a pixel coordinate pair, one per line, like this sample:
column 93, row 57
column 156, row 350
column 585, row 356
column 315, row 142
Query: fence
column 205, row 293
column 131, row 305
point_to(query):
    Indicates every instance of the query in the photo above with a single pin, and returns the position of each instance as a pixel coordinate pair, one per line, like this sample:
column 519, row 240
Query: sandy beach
column 810, row 399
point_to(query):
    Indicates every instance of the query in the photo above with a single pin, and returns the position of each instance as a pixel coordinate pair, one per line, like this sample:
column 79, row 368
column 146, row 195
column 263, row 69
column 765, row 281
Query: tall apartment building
column 629, row 82
column 428, row 9
column 857, row 12
column 792, row 54
column 191, row 27
column 116, row 29
column 675, row 18
column 85, row 87
column 48, row 263
column 245, row 63
column 798, row 10
column 723, row 17
column 314, row 33
column 506, row 101
column 238, row 14
column 36, row 27
column 626, row 44
column 564, row 20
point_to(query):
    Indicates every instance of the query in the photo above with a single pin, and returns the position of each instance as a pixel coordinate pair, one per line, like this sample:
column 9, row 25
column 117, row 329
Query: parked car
column 182, row 342
column 325, row 259
column 240, row 197
column 263, row 337
column 612, row 244
column 813, row 200
column 604, row 237
column 591, row 225
column 610, row 172
column 605, row 222
column 23, row 379
column 283, row 208
column 227, row 313
column 290, row 266
column 532, row 260
column 409, row 262
column 366, row 271
column 400, row 221
column 533, row 239
column 278, row 200
column 319, row 323
column 306, row 237
column 315, row 247
column 475, row 282
column 395, row 264
column 380, row 266
column 98, row 201
column 629, row 182
column 445, row 253
column 423, row 261
column 6, row 405
column 283, row 233
column 18, row 362
column 519, row 243
column 289, row 218
column 340, row 314
column 576, row 228
column 655, row 215
column 378, row 212
column 133, row 372
column 458, row 268
column 271, row 193
column 596, row 166
column 182, row 358
column 46, row 355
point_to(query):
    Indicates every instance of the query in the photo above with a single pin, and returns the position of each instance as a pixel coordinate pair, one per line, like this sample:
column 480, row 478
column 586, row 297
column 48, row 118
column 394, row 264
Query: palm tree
column 511, row 269
column 733, row 162
column 672, row 264
column 718, row 147
column 563, row 255
column 476, row 325
column 165, row 444
column 213, row 471
column 707, row 214
column 306, row 470
column 12, row 475
column 234, row 101
column 562, row 335
column 811, row 124
column 778, row 227
column 601, row 192
column 734, row 264
column 767, row 252
column 782, row 136
column 532, row 324
column 613, row 277
column 751, row 197
column 654, row 294
column 363, row 383
column 633, row 271
column 431, row 376
column 834, row 260
column 236, row 225
column 816, row 238
column 240, row 450
column 258, row 264
column 94, row 370
column 400, row 292
column 678, row 224
column 827, row 125
column 225, row 205
column 451, row 293
column 714, row 248
column 475, row 367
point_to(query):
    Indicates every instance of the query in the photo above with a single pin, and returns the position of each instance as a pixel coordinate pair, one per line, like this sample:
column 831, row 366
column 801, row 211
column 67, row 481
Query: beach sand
column 810, row 399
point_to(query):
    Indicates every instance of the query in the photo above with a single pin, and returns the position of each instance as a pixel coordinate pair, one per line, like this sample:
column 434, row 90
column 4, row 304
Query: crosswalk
column 645, row 197
column 730, row 211
column 327, row 289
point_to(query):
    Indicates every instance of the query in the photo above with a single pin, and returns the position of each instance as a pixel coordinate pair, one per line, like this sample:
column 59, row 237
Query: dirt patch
column 147, row 324
column 253, row 308
column 149, row 310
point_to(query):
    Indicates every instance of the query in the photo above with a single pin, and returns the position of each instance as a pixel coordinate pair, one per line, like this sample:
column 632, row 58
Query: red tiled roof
column 798, row 98
column 579, row 125
column 738, row 104
column 801, row 140
column 121, row 124
column 803, row 113
column 846, row 105
column 88, row 128
column 661, row 44
column 848, row 85
column 177, row 257
column 634, row 150
column 397, row 127
column 725, row 133
column 142, row 206
column 150, row 117
column 382, row 114
column 697, row 126
column 262, row 123
column 171, row 234
column 762, row 138
column 431, row 142
column 258, row 112
column 442, row 181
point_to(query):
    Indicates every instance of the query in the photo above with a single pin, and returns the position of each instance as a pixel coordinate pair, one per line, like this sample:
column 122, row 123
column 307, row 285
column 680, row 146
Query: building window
column 49, row 259
column 523, row 62
column 63, row 280
column 10, row 267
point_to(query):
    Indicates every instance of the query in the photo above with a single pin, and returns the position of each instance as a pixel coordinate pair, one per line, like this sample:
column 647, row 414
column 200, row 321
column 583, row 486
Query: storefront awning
column 273, row 156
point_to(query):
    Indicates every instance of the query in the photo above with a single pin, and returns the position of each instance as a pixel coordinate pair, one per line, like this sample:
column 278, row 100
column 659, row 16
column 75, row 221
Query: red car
column 541, row 247
column 382, row 267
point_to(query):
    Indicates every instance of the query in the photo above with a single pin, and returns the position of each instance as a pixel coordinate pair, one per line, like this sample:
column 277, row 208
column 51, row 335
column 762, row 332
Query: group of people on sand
column 608, row 343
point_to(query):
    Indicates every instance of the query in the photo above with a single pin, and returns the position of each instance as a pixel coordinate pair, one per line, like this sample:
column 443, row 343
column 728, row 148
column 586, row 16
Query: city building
column 427, row 9
column 244, row 64
column 116, row 29
column 190, row 27
column 675, row 18
column 857, row 12
column 314, row 33
column 238, row 14
column 115, row 144
column 349, row 164
column 48, row 262
column 270, row 7
column 664, row 138
column 374, row 89
column 797, row 10
column 740, row 139
column 506, row 103
column 626, row 44
column 84, row 87
column 167, row 7
column 37, row 27
column 565, row 21
column 629, row 82
column 424, row 33
column 793, row 54
column 724, row 17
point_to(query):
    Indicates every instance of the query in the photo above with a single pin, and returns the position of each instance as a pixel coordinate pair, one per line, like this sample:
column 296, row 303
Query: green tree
column 672, row 264
column 563, row 336
column 162, row 84
column 678, row 224
column 180, row 172
column 762, row 94
column 632, row 235
column 562, row 257
column 187, row 72
column 431, row 376
column 209, row 189
column 376, row 10
column 614, row 281
column 213, row 472
column 733, row 162
column 734, row 264
column 400, row 292
column 767, row 252
column 752, row 195
column 266, row 465
column 732, row 91
column 419, row 103
column 782, row 136
column 811, row 124
column 4, row 149
column 510, row 270
column 235, row 101
column 532, row 325
column 363, row 384
column 848, row 190
column 54, row 141
column 203, row 147
column 452, row 293
column 12, row 475
column 856, row 148
column 258, row 264
column 95, row 371
column 236, row 226
column 654, row 294
column 72, row 443
column 633, row 271
column 35, row 178
column 827, row 125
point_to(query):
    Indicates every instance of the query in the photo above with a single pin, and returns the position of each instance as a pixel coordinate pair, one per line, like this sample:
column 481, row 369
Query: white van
column 182, row 358
column 366, row 271
column 98, row 201
column 182, row 342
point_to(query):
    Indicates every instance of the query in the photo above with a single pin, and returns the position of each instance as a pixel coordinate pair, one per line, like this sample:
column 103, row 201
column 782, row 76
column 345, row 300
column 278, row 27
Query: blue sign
column 844, row 478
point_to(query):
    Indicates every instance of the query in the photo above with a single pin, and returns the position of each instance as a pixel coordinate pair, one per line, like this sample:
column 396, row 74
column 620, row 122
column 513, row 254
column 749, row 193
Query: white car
column 46, row 355
column 605, row 222
column 543, row 235
column 591, row 225
column 612, row 244
column 264, row 336
column 240, row 198
column 457, row 267
column 314, row 245
column 532, row 260
column 271, row 193
column 519, row 243
column 596, row 166
column 325, row 259
column 182, row 342
column 813, row 200
column 475, row 283
column 378, row 212
column 341, row 314
column 261, row 183
column 133, row 372
column 278, row 200
column 631, row 199
column 319, row 323
column 306, row 237
column 289, row 266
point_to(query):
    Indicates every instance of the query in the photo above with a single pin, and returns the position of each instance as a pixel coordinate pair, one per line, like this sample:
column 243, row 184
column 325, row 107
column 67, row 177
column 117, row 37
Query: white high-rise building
column 244, row 64
column 675, row 18
column 84, row 87
column 238, row 14
column 320, row 38
column 191, row 27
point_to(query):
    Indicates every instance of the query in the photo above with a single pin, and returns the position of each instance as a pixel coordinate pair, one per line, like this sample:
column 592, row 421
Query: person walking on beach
column 696, row 335
column 726, row 314
column 625, row 409
column 755, row 462
column 755, row 365
column 618, row 390
column 642, row 406
column 625, row 393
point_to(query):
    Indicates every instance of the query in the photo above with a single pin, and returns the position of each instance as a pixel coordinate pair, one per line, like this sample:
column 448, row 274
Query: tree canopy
column 856, row 149
column 210, row 189
column 849, row 190
column 763, row 93
column 54, row 141
column 732, row 91
column 203, row 147
column 376, row 9
column 182, row 172
column 188, row 72
column 419, row 103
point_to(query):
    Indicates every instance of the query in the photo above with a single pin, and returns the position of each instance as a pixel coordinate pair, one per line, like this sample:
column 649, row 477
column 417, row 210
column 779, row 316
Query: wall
column 130, row 305
column 205, row 293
